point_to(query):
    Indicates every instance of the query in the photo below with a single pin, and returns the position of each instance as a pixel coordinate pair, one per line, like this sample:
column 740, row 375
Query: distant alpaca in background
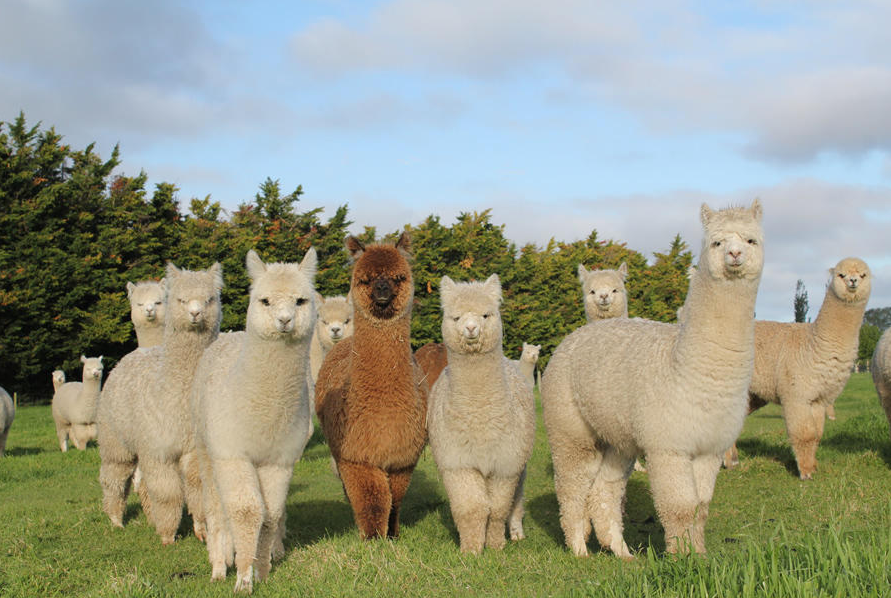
column 526, row 363
column 881, row 371
column 7, row 414
column 58, row 379
column 75, row 403
column 148, row 305
column 334, row 323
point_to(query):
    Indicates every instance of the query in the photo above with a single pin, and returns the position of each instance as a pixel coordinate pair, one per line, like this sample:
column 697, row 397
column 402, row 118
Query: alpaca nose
column 335, row 330
column 471, row 330
column 604, row 296
column 382, row 292
column 195, row 309
column 735, row 253
column 284, row 322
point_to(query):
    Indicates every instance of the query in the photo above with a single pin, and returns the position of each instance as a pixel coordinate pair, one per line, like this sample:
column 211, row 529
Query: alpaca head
column 382, row 287
column 193, row 299
column 850, row 280
column 92, row 368
column 732, row 243
column 148, row 300
column 335, row 321
column 282, row 305
column 471, row 320
column 530, row 353
column 604, row 292
column 58, row 378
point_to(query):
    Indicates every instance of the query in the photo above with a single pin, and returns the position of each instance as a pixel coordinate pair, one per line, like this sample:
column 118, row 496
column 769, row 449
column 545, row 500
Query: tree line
column 72, row 233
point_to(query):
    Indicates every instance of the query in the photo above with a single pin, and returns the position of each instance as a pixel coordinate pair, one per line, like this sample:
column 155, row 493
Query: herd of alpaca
column 215, row 422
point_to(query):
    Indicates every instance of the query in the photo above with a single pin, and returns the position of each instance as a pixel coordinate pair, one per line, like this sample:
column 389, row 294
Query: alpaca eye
column 485, row 316
column 842, row 276
column 265, row 301
column 157, row 303
column 753, row 242
column 347, row 321
column 456, row 318
column 716, row 244
column 301, row 300
column 139, row 304
column 863, row 275
column 182, row 301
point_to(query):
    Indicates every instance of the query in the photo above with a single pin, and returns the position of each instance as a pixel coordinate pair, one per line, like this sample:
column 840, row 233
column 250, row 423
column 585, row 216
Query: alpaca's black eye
column 753, row 242
column 863, row 275
column 615, row 290
column 347, row 321
column 301, row 300
column 485, row 316
column 157, row 303
column 842, row 276
column 456, row 318
column 265, row 301
column 716, row 244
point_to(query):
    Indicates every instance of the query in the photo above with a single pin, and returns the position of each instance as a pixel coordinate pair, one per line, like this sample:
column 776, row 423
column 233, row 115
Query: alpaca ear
column 354, row 247
column 217, row 272
column 310, row 263
column 623, row 271
column 757, row 212
column 254, row 265
column 493, row 287
column 318, row 298
column 100, row 359
column 705, row 214
column 172, row 270
column 163, row 284
column 446, row 289
column 130, row 288
column 83, row 358
column 583, row 273
column 404, row 243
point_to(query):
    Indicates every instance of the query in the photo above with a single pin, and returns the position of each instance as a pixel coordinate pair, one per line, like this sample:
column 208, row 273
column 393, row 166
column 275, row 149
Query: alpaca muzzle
column 382, row 293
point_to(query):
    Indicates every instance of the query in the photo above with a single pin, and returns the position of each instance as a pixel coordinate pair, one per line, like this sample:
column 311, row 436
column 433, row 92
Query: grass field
column 768, row 533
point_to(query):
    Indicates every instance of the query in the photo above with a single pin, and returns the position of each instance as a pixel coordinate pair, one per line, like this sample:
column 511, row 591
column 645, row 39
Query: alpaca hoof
column 167, row 540
column 218, row 572
column 278, row 550
column 200, row 532
column 579, row 550
column 115, row 522
column 245, row 581
column 807, row 476
column 517, row 534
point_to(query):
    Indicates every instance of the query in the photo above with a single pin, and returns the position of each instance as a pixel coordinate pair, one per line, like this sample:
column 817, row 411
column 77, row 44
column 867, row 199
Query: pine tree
column 800, row 303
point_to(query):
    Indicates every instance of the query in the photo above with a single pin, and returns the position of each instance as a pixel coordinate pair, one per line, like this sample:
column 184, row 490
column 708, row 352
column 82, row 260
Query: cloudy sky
column 561, row 116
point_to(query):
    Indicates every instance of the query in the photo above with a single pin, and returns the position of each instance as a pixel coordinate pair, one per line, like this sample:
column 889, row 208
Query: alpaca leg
column 469, row 502
column 515, row 521
column 368, row 491
column 705, row 472
column 163, row 486
column 274, row 484
column 219, row 539
column 399, row 481
column 675, row 496
column 884, row 392
column 114, row 474
column 80, row 433
column 606, row 501
column 191, row 474
column 731, row 457
column 501, row 497
column 804, row 426
column 62, row 435
column 243, row 505
column 278, row 545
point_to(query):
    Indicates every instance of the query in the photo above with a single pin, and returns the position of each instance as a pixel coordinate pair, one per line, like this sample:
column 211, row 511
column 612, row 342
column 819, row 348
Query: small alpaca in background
column 148, row 305
column 7, row 414
column 526, row 363
column 481, row 418
column 75, row 404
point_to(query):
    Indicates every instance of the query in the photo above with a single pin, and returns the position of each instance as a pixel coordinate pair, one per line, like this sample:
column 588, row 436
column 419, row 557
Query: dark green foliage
column 72, row 235
column 878, row 316
column 800, row 303
column 869, row 338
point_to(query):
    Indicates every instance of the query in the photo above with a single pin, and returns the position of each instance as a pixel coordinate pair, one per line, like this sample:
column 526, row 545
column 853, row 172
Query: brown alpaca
column 432, row 358
column 371, row 397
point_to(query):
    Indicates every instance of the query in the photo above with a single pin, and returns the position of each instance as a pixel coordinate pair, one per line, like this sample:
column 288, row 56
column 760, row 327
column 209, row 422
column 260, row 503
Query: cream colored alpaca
column 7, row 414
column 618, row 388
column 144, row 410
column 604, row 292
column 75, row 403
column 148, row 305
column 804, row 367
column 881, row 371
column 250, row 409
column 526, row 363
column 58, row 379
column 335, row 323
column 480, row 418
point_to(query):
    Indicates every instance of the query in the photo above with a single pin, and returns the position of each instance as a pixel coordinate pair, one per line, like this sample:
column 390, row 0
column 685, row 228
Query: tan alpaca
column 804, row 367
column 75, row 403
column 480, row 419
column 526, row 363
column 618, row 388
column 881, row 372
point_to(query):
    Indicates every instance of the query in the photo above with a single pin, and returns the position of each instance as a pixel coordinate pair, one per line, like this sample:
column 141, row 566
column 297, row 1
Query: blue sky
column 561, row 117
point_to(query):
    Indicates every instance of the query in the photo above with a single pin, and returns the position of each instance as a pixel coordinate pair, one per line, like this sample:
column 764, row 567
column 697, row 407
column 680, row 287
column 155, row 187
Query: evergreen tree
column 800, row 303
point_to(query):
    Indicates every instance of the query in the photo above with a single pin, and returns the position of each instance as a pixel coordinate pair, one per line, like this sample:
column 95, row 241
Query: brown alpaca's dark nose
column 382, row 292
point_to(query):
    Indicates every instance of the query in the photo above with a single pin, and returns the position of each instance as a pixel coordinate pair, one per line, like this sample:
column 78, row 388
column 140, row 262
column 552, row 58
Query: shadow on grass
column 782, row 454
column 22, row 451
column 848, row 442
column 642, row 527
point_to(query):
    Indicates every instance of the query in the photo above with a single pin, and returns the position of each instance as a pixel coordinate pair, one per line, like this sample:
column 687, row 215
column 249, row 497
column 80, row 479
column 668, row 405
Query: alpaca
column 58, row 379
column 804, row 367
column 75, row 403
column 144, row 411
column 432, row 358
column 481, row 418
column 617, row 388
column 335, row 323
column 250, row 410
column 881, row 371
column 148, row 304
column 371, row 397
column 526, row 363
column 604, row 292
column 7, row 414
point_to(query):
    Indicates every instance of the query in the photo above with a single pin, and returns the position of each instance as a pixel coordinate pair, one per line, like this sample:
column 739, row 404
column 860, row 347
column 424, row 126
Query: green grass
column 768, row 534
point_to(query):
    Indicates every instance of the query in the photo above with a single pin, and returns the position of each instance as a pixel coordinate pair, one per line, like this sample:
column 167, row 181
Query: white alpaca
column 250, row 409
column 804, row 366
column 335, row 323
column 604, row 292
column 58, row 379
column 75, row 403
column 144, row 409
column 621, row 387
column 480, row 418
column 526, row 363
column 7, row 414
column 881, row 371
column 148, row 304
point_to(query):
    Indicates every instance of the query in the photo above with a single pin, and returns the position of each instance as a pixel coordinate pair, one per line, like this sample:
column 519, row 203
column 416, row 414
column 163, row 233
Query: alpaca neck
column 718, row 324
column 89, row 394
column 383, row 347
column 838, row 324
column 183, row 349
column 274, row 367
column 149, row 335
column 475, row 375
